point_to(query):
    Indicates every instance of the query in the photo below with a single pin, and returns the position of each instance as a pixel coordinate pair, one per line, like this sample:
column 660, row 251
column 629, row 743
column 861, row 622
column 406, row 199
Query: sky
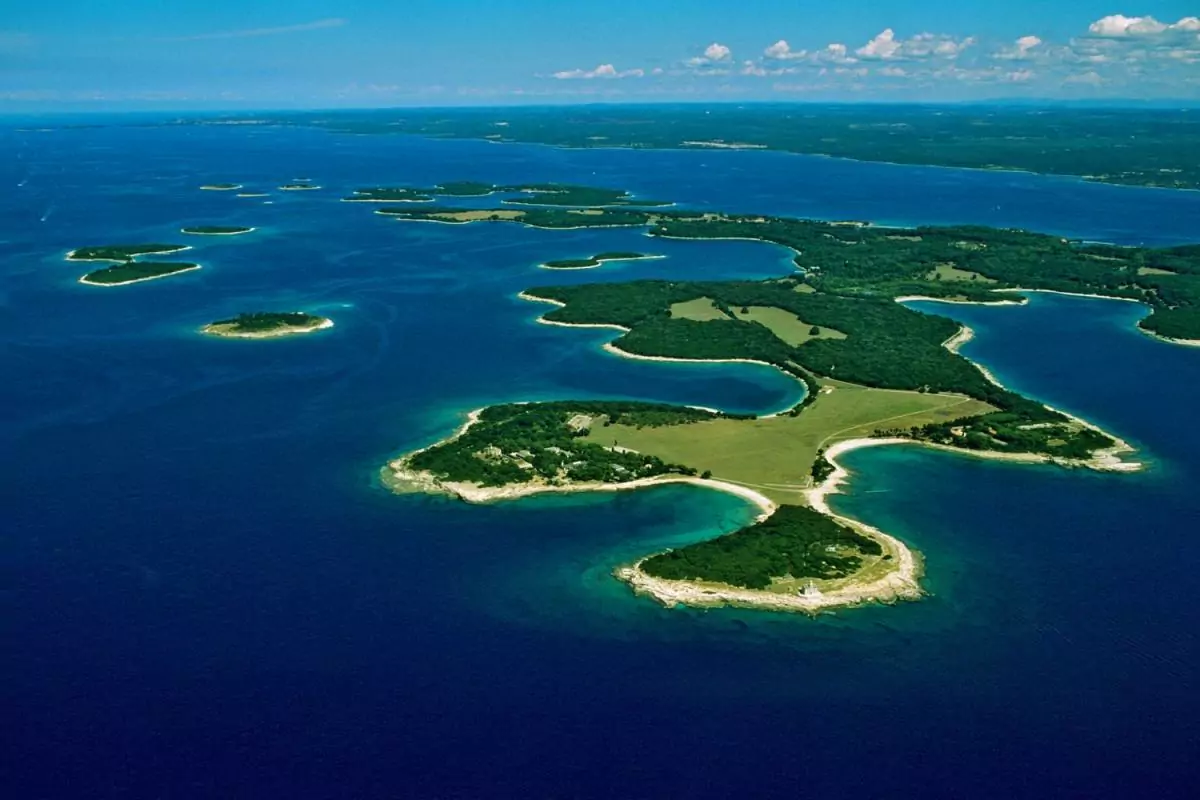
column 78, row 55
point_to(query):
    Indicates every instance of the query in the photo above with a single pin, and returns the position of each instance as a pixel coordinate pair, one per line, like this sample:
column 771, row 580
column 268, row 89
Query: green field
column 949, row 272
column 702, row 309
column 786, row 325
column 775, row 455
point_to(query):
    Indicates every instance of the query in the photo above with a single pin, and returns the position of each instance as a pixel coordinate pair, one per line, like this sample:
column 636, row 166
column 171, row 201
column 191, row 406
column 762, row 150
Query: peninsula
column 267, row 325
column 875, row 372
column 216, row 230
column 595, row 261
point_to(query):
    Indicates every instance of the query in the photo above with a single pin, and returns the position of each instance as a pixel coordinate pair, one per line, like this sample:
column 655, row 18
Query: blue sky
column 147, row 54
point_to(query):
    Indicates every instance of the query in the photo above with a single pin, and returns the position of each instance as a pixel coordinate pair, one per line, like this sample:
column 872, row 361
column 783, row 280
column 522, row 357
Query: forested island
column 298, row 187
column 594, row 261
column 962, row 263
column 267, row 325
column 221, row 187
column 874, row 371
column 216, row 230
column 1135, row 146
column 125, row 267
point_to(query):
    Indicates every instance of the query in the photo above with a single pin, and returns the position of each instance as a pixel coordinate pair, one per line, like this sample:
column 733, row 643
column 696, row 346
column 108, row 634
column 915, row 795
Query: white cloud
column 893, row 72
column 882, row 46
column 886, row 47
column 782, row 51
column 1119, row 26
column 320, row 24
column 1091, row 78
column 602, row 71
column 1021, row 50
column 715, row 53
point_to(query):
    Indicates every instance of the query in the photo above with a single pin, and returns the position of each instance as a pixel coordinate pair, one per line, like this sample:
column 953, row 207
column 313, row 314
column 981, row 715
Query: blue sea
column 206, row 592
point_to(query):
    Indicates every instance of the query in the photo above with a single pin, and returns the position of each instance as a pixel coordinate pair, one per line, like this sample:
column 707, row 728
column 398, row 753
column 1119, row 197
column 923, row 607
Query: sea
column 206, row 591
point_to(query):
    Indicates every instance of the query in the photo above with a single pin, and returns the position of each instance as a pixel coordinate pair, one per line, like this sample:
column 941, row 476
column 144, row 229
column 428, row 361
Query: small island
column 385, row 194
column 125, row 267
column 595, row 261
column 267, row 325
column 298, row 187
column 252, row 194
column 216, row 230
column 136, row 272
column 220, row 187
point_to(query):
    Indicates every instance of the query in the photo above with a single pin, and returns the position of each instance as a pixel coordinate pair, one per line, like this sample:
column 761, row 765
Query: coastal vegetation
column 135, row 271
column 216, row 230
column 122, row 252
column 384, row 194
column 265, row 324
column 298, row 187
column 964, row 263
column 547, row 443
column 793, row 543
column 1142, row 146
column 594, row 261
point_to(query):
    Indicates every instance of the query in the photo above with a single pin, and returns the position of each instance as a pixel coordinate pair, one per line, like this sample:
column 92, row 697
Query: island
column 383, row 194
column 595, row 261
column 136, row 272
column 125, row 267
column 123, row 252
column 216, row 230
column 957, row 263
column 267, row 325
column 253, row 194
column 221, row 187
column 874, row 372
column 528, row 194
column 298, row 187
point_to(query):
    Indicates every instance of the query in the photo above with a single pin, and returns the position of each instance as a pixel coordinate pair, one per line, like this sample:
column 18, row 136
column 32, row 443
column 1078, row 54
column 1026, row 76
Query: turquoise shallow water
column 209, row 593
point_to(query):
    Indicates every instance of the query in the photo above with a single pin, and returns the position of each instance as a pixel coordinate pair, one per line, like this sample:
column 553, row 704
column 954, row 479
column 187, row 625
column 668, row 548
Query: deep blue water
column 204, row 591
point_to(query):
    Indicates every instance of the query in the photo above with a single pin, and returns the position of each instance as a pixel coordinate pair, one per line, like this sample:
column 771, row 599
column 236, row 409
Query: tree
column 706, row 474
column 814, row 331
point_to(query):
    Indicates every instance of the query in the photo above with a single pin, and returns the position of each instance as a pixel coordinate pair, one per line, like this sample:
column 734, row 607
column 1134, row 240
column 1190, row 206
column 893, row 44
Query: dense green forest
column 887, row 346
column 135, row 271
column 523, row 442
column 794, row 541
column 1141, row 146
column 961, row 262
column 592, row 261
column 259, row 321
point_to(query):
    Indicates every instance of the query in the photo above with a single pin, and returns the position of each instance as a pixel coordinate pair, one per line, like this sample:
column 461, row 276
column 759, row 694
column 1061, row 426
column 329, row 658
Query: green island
column 267, row 325
column 298, row 187
column 1138, row 146
column 216, row 230
column 221, row 187
column 123, row 252
column 875, row 372
column 135, row 272
column 125, row 267
column 961, row 263
column 595, row 261
column 253, row 194
column 531, row 194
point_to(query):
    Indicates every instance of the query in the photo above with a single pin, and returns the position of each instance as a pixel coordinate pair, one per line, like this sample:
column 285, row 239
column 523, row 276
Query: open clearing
column 775, row 455
column 1155, row 271
column 786, row 325
column 701, row 309
column 949, row 272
